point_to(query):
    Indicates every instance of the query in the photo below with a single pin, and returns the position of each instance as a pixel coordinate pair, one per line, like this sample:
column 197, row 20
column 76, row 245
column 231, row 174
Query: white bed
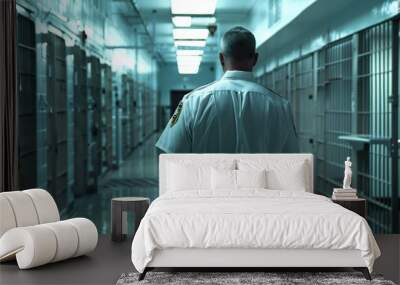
column 248, row 227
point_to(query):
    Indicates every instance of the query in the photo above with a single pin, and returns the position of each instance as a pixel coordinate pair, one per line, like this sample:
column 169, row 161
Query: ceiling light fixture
column 194, row 34
column 203, row 21
column 193, row 7
column 188, row 59
column 190, row 43
column 188, row 69
column 188, row 64
column 189, row 52
column 182, row 21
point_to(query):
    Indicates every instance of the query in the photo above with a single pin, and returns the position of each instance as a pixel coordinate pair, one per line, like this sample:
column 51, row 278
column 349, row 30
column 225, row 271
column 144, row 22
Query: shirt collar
column 238, row 74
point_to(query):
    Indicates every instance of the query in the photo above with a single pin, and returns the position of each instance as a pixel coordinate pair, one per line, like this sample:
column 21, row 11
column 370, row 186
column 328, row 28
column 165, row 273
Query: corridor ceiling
column 158, row 19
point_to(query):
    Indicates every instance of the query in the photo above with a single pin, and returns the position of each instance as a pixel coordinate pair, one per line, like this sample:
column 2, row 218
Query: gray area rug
column 233, row 278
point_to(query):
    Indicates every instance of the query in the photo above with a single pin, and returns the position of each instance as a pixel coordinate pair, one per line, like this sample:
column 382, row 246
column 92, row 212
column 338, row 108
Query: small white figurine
column 347, row 174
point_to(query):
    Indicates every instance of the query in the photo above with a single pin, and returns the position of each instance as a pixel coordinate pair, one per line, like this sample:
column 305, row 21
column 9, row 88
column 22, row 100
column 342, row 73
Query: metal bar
column 354, row 102
column 395, row 118
column 351, row 79
column 376, row 203
column 373, row 221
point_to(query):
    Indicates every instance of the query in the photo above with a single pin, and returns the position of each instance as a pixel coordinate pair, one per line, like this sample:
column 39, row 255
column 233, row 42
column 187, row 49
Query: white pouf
column 23, row 209
column 87, row 234
column 45, row 205
column 7, row 219
column 31, row 232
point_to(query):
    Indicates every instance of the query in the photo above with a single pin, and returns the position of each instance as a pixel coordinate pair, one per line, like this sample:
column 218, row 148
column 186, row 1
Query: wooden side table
column 358, row 206
column 119, row 208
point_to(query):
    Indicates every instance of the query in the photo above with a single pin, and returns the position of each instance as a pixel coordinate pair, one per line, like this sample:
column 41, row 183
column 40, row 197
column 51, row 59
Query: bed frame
column 241, row 259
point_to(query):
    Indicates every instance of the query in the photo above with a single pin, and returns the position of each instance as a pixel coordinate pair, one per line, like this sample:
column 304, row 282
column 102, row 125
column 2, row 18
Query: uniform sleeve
column 176, row 136
column 291, row 144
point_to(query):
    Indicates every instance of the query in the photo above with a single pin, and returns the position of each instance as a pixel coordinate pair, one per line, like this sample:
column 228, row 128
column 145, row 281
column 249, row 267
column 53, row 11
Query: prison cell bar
column 360, row 67
column 395, row 121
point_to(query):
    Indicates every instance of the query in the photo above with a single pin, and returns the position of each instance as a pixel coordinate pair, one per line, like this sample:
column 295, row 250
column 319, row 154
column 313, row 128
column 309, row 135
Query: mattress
column 251, row 219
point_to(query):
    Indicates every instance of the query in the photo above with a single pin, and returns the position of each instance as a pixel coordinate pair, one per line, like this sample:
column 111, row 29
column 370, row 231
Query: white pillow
column 251, row 178
column 281, row 174
column 186, row 175
column 227, row 179
column 223, row 179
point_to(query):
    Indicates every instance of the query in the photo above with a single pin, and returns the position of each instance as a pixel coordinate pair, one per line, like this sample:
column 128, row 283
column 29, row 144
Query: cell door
column 377, row 120
column 139, row 111
column 80, row 121
column 107, row 108
column 116, row 119
column 131, row 107
column 129, row 115
column 281, row 81
column 335, row 115
column 94, row 115
column 135, row 125
column 124, row 116
column 57, row 118
column 268, row 80
column 303, row 102
column 146, row 113
column 27, row 111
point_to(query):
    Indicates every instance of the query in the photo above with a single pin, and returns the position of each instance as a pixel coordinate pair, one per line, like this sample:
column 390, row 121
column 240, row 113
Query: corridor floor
column 136, row 176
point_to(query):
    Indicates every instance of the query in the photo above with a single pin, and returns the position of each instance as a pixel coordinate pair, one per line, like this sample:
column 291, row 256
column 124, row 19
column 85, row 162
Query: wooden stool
column 119, row 208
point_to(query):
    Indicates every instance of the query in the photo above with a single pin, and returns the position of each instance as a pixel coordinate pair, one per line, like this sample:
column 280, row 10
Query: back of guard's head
column 238, row 44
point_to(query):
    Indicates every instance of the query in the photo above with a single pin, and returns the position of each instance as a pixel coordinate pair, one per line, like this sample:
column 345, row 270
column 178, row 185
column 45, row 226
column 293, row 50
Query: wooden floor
column 103, row 266
column 110, row 260
column 389, row 262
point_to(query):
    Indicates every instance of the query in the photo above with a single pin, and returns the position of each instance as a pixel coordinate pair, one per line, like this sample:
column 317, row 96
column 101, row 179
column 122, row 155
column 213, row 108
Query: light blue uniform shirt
column 231, row 115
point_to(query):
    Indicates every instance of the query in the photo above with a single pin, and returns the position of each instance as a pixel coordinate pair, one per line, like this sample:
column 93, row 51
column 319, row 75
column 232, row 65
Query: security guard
column 234, row 114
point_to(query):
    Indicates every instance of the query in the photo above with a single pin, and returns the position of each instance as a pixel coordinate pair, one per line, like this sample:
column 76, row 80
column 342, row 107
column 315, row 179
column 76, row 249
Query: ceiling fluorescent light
column 188, row 64
column 189, row 52
column 190, row 43
column 188, row 69
column 193, row 7
column 188, row 59
column 182, row 21
column 194, row 34
column 203, row 21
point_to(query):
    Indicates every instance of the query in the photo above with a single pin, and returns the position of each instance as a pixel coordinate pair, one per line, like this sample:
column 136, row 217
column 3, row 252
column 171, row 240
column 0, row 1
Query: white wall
column 268, row 17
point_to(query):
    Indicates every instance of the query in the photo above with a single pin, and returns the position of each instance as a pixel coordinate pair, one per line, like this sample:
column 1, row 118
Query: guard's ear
column 255, row 59
column 222, row 60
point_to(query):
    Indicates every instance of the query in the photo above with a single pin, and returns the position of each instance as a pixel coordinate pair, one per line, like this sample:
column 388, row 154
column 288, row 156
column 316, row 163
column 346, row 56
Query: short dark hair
column 238, row 44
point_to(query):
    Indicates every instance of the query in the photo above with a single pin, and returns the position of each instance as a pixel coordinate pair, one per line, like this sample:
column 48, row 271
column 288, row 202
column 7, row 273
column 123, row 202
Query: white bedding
column 250, row 218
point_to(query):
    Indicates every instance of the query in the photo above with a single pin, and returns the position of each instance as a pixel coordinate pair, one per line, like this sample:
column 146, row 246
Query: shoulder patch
column 177, row 113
